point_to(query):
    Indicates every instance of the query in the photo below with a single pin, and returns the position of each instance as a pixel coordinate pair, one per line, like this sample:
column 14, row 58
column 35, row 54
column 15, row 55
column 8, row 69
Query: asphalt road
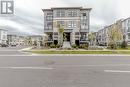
column 25, row 70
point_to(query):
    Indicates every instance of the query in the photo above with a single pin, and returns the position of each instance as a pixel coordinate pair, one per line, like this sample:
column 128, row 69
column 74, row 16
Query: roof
column 46, row 9
column 3, row 29
column 66, row 8
column 81, row 8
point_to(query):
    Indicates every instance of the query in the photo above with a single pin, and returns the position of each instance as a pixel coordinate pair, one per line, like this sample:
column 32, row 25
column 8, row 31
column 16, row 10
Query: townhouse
column 121, row 26
column 34, row 40
column 102, row 36
column 126, row 29
column 12, row 40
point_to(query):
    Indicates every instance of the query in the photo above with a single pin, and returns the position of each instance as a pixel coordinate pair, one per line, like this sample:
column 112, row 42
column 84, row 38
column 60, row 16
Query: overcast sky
column 28, row 18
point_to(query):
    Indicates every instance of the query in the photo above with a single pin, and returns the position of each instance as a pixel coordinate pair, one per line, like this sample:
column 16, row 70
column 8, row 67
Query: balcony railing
column 84, row 30
column 48, row 30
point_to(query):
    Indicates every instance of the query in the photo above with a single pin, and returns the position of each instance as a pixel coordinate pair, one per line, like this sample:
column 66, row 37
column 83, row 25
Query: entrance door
column 66, row 36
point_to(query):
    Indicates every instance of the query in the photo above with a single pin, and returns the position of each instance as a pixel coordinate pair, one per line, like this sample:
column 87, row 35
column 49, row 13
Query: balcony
column 128, row 31
column 84, row 30
column 48, row 30
column 50, row 40
column 68, row 30
column 83, row 39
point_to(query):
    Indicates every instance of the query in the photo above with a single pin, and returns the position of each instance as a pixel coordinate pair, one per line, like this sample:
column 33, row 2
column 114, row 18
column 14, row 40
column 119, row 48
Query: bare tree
column 60, row 31
column 115, row 34
column 92, row 39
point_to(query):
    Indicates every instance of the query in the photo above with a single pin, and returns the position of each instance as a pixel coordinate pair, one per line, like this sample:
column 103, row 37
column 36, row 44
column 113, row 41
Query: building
column 102, row 36
column 21, row 40
column 12, row 40
column 126, row 29
column 75, row 21
column 34, row 40
column 15, row 40
column 3, row 36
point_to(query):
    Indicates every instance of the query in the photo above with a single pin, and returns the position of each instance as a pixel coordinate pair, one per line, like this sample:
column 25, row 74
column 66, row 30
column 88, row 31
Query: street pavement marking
column 117, row 71
column 51, row 55
column 107, row 65
column 8, row 50
column 33, row 68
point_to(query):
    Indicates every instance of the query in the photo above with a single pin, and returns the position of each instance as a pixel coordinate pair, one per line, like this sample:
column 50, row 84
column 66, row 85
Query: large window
column 49, row 25
column 60, row 13
column 83, row 37
column 62, row 23
column 49, row 17
column 128, row 23
column 128, row 29
column 72, row 24
column 72, row 13
column 128, row 36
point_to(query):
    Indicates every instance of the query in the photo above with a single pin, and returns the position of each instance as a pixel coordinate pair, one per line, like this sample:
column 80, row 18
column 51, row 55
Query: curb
column 80, row 55
column 26, row 49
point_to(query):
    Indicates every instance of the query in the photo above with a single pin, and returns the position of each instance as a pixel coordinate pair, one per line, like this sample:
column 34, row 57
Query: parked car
column 4, row 45
column 13, row 45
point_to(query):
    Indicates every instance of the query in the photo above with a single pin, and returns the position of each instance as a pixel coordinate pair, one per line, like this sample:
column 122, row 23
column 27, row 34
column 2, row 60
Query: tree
column 28, row 41
column 60, row 31
column 124, row 43
column 114, row 35
column 45, row 39
column 92, row 39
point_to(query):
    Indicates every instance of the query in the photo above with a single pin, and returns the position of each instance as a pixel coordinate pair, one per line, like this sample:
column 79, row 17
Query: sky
column 28, row 18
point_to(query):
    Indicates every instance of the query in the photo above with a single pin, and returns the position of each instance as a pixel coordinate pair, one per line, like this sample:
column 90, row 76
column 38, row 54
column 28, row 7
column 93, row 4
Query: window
column 60, row 13
column 72, row 13
column 83, row 37
column 49, row 25
column 62, row 23
column 49, row 17
column 72, row 24
column 128, row 36
column 128, row 29
column 128, row 24
column 83, row 14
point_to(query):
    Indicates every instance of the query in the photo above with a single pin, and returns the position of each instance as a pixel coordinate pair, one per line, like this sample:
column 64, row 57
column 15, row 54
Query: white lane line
column 8, row 50
column 106, row 65
column 52, row 55
column 117, row 71
column 33, row 68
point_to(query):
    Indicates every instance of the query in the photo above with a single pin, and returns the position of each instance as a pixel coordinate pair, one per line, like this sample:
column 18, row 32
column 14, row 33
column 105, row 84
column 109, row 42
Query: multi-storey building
column 126, row 29
column 75, row 21
column 36, row 40
column 12, row 40
column 102, row 36
column 3, row 36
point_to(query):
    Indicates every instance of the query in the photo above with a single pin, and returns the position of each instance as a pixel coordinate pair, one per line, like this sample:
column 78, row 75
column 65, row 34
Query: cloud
column 29, row 19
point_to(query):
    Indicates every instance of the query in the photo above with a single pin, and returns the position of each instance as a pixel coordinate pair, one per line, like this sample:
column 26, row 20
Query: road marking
column 33, row 68
column 117, row 71
column 7, row 50
column 107, row 65
column 51, row 55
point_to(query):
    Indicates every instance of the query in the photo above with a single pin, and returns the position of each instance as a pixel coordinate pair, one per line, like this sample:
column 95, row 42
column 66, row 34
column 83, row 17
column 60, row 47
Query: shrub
column 74, row 46
column 84, row 46
column 52, row 46
column 113, row 46
column 57, row 46
column 124, row 45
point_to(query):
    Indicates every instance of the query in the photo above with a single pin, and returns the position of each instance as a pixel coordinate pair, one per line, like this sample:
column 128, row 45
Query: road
column 26, row 70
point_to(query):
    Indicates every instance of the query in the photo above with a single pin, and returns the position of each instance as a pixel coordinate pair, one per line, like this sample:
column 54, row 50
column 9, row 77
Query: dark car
column 4, row 45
